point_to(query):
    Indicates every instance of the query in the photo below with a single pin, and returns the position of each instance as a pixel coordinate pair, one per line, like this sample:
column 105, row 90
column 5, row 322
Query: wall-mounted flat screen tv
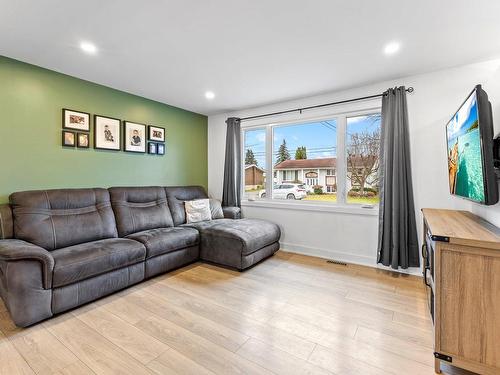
column 470, row 150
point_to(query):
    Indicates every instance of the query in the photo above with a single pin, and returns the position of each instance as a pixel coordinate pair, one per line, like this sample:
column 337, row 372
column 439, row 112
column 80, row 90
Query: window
column 362, row 155
column 255, row 163
column 327, row 160
column 304, row 153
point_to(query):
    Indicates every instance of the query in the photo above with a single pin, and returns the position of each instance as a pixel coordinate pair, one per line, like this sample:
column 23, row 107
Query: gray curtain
column 231, row 193
column 397, row 238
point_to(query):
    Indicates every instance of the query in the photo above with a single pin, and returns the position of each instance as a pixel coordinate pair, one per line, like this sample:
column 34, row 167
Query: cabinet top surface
column 462, row 227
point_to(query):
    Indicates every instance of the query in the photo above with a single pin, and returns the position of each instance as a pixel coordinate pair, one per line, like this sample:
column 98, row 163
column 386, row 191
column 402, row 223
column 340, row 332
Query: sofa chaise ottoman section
column 238, row 243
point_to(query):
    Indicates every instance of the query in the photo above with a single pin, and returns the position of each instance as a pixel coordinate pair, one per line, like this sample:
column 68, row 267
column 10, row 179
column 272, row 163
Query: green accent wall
column 31, row 155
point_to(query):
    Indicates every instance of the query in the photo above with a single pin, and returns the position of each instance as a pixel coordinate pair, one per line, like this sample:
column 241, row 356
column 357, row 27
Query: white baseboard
column 343, row 257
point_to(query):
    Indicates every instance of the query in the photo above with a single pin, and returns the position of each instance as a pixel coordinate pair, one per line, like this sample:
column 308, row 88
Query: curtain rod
column 409, row 89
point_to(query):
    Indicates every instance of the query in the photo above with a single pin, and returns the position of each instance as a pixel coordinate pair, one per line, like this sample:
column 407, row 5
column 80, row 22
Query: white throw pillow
column 197, row 210
column 216, row 209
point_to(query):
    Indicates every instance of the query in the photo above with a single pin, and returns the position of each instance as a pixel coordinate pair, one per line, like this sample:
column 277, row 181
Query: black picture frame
column 151, row 138
column 152, row 147
column 63, row 139
column 160, row 149
column 126, row 146
column 78, row 143
column 67, row 126
column 120, row 133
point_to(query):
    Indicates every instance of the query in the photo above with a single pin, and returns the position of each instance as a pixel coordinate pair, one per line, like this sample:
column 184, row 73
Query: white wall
column 353, row 237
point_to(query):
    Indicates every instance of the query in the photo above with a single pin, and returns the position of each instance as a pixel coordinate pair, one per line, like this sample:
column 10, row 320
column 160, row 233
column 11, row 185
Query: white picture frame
column 107, row 133
column 75, row 120
column 134, row 137
column 156, row 133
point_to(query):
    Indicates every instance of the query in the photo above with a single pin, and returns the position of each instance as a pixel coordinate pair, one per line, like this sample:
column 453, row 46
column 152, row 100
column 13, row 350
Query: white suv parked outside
column 287, row 191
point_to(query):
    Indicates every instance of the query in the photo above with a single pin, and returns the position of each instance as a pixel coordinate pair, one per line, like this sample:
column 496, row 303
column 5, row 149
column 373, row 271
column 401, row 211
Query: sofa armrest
column 6, row 222
column 13, row 250
column 232, row 212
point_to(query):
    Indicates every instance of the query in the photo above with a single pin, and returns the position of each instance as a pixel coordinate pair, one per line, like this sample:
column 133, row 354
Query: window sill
column 351, row 209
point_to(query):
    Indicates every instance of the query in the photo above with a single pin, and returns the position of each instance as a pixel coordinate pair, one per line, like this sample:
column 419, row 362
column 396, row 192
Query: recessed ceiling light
column 391, row 48
column 209, row 95
column 88, row 47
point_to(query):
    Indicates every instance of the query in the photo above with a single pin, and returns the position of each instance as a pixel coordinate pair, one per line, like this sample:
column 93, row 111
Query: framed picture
column 107, row 134
column 160, row 149
column 76, row 120
column 134, row 137
column 156, row 133
column 82, row 140
column 68, row 138
column 151, row 148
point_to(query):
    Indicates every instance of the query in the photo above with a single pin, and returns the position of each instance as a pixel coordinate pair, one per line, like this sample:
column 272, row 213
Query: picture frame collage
column 111, row 134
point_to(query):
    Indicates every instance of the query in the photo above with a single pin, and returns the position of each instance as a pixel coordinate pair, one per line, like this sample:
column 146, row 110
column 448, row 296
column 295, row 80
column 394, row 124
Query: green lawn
column 321, row 197
column 333, row 198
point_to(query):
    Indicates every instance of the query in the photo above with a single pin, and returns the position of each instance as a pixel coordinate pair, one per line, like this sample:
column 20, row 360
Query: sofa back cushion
column 177, row 195
column 140, row 208
column 59, row 218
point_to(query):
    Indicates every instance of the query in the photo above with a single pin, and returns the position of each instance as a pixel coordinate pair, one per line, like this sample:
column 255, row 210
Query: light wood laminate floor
column 291, row 314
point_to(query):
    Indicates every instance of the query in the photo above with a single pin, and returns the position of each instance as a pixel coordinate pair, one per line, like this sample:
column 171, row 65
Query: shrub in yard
column 318, row 189
column 353, row 193
column 373, row 190
column 370, row 194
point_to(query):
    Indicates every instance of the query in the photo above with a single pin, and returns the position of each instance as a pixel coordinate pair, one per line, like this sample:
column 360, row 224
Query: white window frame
column 340, row 170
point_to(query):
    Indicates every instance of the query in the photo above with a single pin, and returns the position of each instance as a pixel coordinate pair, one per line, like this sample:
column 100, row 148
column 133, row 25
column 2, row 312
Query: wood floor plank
column 373, row 355
column 126, row 310
column 43, row 352
column 198, row 349
column 136, row 343
column 278, row 338
column 421, row 322
column 277, row 361
column 199, row 290
column 216, row 333
column 93, row 349
column 310, row 331
column 403, row 348
column 77, row 368
column 11, row 362
column 173, row 362
column 341, row 364
column 394, row 302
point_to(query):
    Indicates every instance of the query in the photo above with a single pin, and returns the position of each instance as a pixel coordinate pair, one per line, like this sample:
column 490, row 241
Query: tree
column 363, row 158
column 250, row 157
column 301, row 153
column 283, row 153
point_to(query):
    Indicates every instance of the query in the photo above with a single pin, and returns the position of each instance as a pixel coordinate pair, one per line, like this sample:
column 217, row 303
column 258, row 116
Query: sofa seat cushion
column 244, row 236
column 79, row 262
column 202, row 225
column 165, row 240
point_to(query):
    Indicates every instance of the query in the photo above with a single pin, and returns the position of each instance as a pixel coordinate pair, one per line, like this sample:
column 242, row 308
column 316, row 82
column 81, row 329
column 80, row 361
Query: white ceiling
column 249, row 52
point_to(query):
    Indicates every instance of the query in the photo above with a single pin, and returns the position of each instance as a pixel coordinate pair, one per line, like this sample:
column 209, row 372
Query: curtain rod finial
column 410, row 89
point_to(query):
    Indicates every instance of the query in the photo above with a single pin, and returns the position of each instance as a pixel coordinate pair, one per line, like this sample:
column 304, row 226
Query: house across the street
column 322, row 172
column 254, row 177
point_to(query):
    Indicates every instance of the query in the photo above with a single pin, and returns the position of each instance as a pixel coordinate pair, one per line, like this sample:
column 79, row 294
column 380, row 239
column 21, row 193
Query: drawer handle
column 425, row 254
column 425, row 276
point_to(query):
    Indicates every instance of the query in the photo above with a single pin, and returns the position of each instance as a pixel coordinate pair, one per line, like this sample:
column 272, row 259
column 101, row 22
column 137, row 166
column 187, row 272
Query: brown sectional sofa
column 62, row 248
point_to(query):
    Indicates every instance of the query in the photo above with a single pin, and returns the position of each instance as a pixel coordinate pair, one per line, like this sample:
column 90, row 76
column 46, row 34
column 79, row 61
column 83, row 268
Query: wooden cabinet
column 462, row 271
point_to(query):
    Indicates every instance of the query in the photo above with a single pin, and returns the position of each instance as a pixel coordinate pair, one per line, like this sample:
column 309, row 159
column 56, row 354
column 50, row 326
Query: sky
column 463, row 119
column 319, row 137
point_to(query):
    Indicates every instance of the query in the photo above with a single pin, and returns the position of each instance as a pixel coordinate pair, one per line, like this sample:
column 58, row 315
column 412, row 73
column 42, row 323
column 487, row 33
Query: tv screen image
column 469, row 136
column 465, row 164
